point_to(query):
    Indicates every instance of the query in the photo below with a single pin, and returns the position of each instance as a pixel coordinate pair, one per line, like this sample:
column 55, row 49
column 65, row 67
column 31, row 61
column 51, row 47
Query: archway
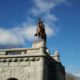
column 12, row 79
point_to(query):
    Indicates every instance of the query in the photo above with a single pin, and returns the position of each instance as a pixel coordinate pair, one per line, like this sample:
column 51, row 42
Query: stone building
column 34, row 63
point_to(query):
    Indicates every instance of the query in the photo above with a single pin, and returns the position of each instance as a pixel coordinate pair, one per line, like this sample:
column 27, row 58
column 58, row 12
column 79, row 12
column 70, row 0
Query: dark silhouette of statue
column 40, row 32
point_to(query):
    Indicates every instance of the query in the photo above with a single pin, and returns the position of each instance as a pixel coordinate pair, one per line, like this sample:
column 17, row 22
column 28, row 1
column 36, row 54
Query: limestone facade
column 29, row 64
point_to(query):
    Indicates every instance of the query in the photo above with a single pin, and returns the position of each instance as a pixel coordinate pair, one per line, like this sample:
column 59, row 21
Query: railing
column 19, row 51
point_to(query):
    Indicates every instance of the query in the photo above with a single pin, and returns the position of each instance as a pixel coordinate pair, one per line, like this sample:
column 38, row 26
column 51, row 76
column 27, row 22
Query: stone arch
column 12, row 79
column 16, row 73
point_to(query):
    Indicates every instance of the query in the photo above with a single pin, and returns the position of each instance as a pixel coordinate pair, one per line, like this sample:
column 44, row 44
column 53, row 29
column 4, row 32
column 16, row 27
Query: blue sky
column 18, row 19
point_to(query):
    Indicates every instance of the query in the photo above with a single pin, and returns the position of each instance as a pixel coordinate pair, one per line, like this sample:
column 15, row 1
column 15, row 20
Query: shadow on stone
column 12, row 79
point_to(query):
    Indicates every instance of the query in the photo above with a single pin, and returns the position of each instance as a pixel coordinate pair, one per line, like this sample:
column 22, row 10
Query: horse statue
column 40, row 32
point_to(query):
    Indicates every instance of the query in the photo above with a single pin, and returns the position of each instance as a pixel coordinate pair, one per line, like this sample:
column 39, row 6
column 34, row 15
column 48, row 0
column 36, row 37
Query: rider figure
column 40, row 23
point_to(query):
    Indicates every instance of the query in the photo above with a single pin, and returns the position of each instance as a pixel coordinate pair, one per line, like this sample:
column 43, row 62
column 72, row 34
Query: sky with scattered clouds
column 18, row 22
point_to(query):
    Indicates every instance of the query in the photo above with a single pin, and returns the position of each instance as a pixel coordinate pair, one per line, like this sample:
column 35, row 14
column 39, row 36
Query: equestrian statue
column 40, row 31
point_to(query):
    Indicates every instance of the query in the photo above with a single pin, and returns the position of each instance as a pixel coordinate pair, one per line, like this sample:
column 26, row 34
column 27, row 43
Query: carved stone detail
column 20, row 59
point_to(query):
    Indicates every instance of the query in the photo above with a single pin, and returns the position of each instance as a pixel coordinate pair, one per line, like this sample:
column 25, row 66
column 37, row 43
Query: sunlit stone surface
column 30, row 64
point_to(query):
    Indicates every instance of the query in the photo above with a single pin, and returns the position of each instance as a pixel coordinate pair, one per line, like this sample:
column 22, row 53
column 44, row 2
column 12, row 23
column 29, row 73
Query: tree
column 70, row 77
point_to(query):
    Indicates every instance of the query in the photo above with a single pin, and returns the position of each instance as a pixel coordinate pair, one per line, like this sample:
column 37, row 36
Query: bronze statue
column 41, row 30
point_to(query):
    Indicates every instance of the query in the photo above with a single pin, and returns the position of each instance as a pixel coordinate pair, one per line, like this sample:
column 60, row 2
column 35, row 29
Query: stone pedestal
column 38, row 44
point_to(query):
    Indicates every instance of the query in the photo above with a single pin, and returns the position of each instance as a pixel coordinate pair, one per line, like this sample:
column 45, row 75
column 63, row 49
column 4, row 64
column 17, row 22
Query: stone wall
column 26, row 64
column 29, row 64
column 30, row 68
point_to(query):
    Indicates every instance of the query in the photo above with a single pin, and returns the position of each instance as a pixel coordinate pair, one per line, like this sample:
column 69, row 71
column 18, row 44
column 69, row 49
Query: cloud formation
column 26, row 30
column 19, row 35
column 43, row 6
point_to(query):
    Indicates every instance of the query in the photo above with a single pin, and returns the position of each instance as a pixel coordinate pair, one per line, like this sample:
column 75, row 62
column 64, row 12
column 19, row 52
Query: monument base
column 30, row 64
column 38, row 44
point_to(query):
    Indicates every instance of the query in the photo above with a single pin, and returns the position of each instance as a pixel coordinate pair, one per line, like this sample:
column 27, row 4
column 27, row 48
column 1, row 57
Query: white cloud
column 43, row 6
column 50, row 31
column 44, row 9
column 19, row 35
column 77, row 75
column 29, row 32
column 9, row 37
column 50, row 18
